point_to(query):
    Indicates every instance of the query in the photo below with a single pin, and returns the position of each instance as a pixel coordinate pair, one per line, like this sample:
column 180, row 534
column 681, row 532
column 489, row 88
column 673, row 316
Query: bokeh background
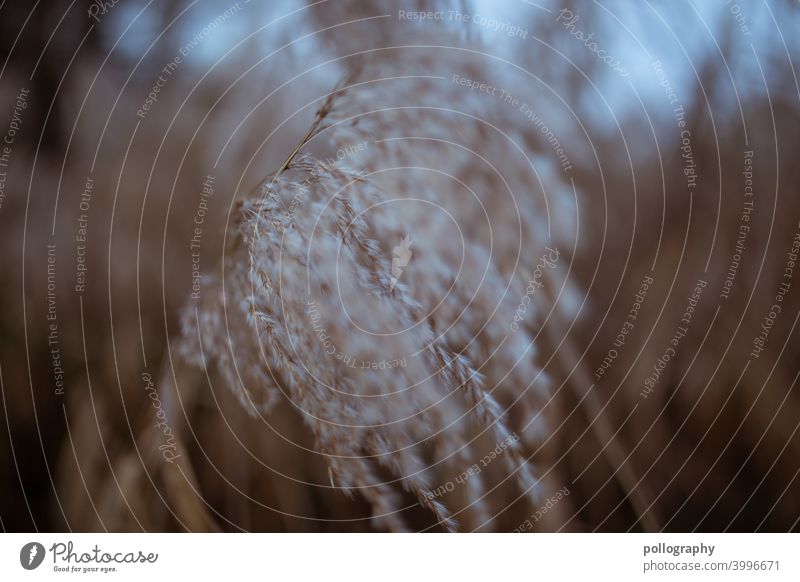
column 714, row 448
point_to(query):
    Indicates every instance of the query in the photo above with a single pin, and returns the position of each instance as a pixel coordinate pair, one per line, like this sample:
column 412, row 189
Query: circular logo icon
column 31, row 555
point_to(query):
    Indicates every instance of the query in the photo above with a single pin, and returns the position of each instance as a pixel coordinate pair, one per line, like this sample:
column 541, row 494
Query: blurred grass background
column 715, row 448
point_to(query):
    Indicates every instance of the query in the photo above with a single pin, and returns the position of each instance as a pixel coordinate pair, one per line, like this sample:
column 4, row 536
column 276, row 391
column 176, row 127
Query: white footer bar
column 384, row 557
